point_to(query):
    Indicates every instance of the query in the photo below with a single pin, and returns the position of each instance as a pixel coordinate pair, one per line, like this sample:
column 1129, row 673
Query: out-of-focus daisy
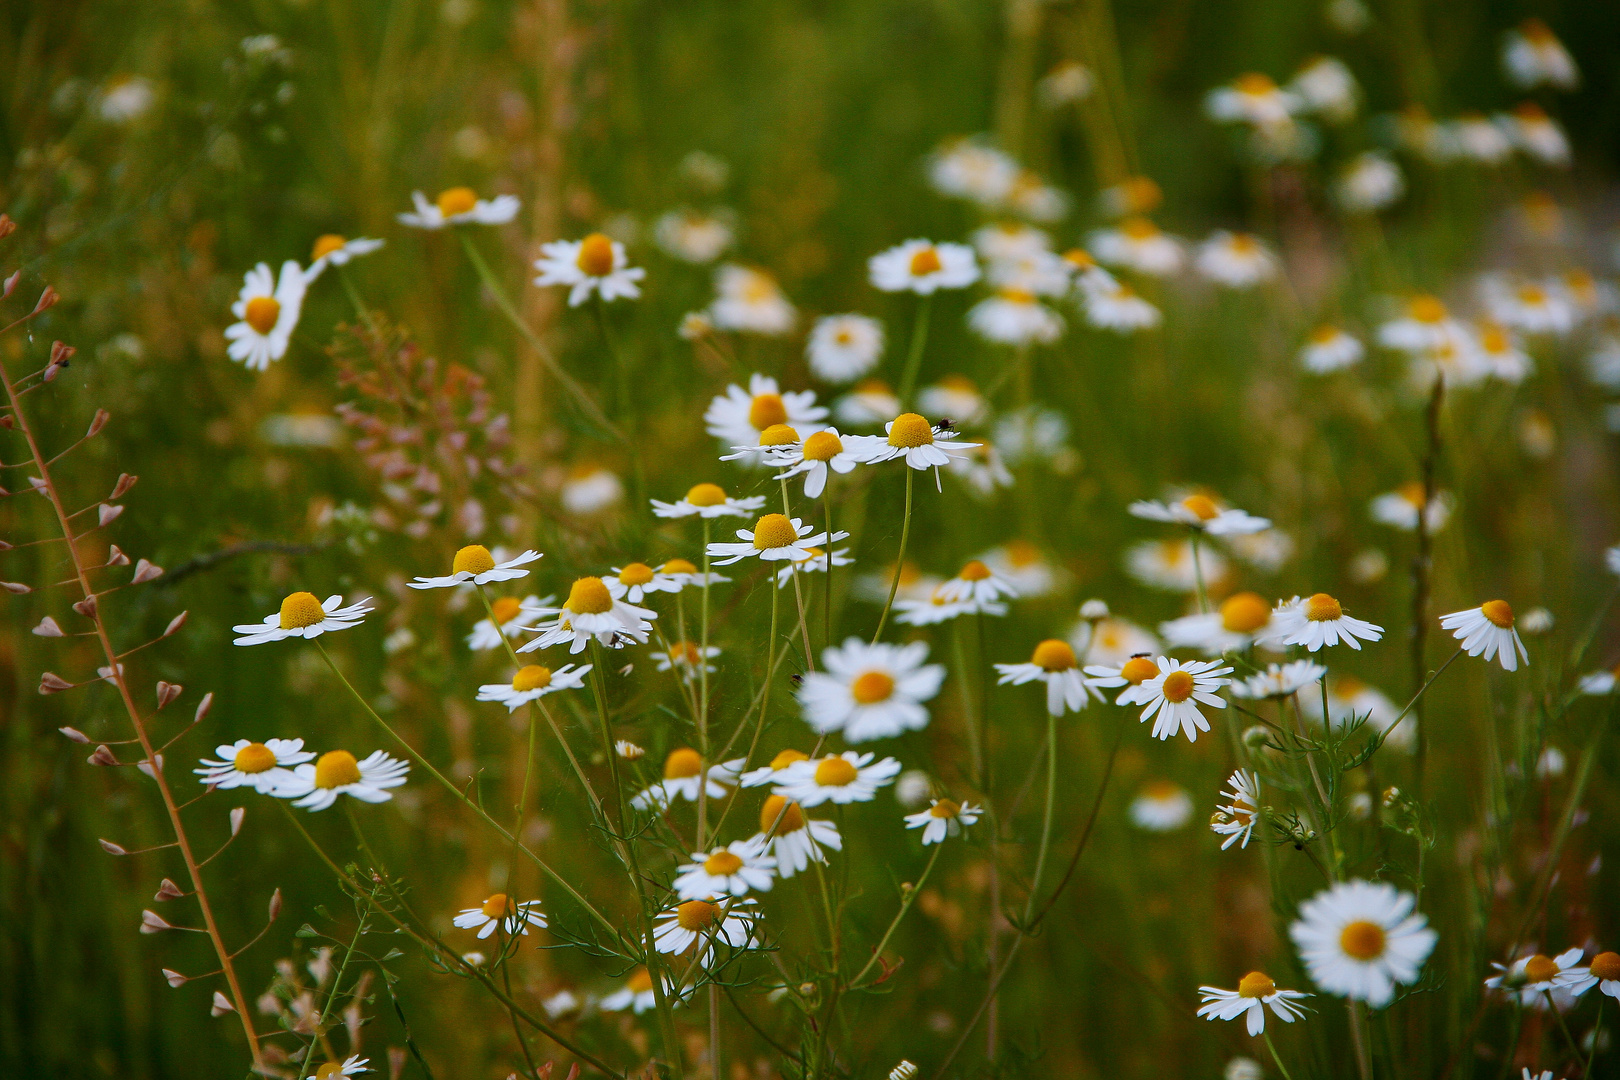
column 968, row 169
column 1325, row 86
column 750, row 301
column 1603, row 972
column 1024, row 566
column 982, row 469
column 842, row 348
column 816, row 563
column 869, row 691
column 500, row 909
column 1457, row 360
column 693, row 237
column 1039, row 273
column 869, row 404
column 269, row 312
column 1533, row 55
column 773, row 538
column 1055, row 664
column 1501, row 355
column 937, row 609
column 1117, row 307
column 1034, row 435
column 1109, row 639
column 1253, row 99
column 1371, row 182
column 532, row 683
column 125, row 98
column 1360, row 939
column 1008, row 241
column 1201, row 512
column 595, row 264
column 1236, row 260
column 944, row 818
column 334, row 250
column 1599, row 683
column 1279, row 680
column 768, row 773
column 1243, row 619
column 592, row 612
column 1236, row 819
column 1425, row 325
column 1173, row 696
column 1168, row 564
column 1475, row 138
column 956, row 397
column 336, row 772
column 695, row 326
column 923, row 267
column 260, row 766
column 1033, row 198
column 637, row 993
column 1536, row 133
column 1255, row 991
column 1488, row 631
column 476, row 565
column 637, row 582
column 1538, row 620
column 1532, row 978
column 914, row 584
column 460, row 206
column 1015, row 317
column 511, row 618
column 1068, row 82
column 686, row 658
column 734, row 870
column 1089, row 276
column 1240, row 1067
column 977, row 585
column 708, row 501
column 1267, row 550
column 1330, row 349
column 1137, row 244
column 1131, row 674
column 703, row 920
column 353, row 1065
column 1134, row 195
column 684, row 777
column 838, row 778
column 1161, row 806
column 1399, row 508
column 1529, row 306
column 303, row 616
column 1320, row 620
column 1349, row 699
column 913, row 439
column 813, row 458
column 795, row 840
column 738, row 417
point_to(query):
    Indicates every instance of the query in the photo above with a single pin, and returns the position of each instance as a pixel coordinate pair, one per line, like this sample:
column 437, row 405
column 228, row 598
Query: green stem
column 919, row 335
column 359, row 304
column 1046, row 818
column 331, row 997
column 1274, row 1055
column 905, row 906
column 900, row 560
column 965, row 692
column 1198, row 576
column 826, row 506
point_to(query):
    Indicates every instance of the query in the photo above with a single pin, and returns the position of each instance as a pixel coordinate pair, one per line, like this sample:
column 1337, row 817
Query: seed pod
column 167, row 692
column 125, row 482
column 98, row 422
column 275, row 905
column 103, row 756
column 145, row 571
column 107, row 513
column 47, row 628
column 174, row 978
column 52, row 683
column 15, row 587
column 236, row 819
column 87, row 606
column 175, row 624
column 47, row 299
column 221, row 1005
column 153, row 923
column 111, row 848
column 75, row 734
column 168, row 890
column 203, row 707
column 116, row 556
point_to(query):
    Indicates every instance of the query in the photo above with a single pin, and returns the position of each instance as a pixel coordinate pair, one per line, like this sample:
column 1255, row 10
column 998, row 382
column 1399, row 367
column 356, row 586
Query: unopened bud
column 47, row 628
column 111, row 848
column 1256, row 737
column 75, row 734
column 275, row 905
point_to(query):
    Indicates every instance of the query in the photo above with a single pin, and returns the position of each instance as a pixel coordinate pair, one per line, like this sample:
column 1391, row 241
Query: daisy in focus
column 353, row 1065
column 1235, row 260
column 334, row 250
column 914, row 439
column 838, row 778
column 1173, row 696
column 638, row 581
column 738, row 417
column 1330, row 349
column 943, row 818
column 733, row 870
column 750, row 301
column 1132, row 674
column 1055, row 664
column 269, row 312
column 1320, row 620
column 870, row 691
column 303, row 616
column 685, row 925
column 1399, row 508
column 774, row 538
column 923, row 267
column 592, row 612
column 1532, row 979
column 1161, row 806
column 1360, row 939
column 1243, row 619
column 815, row 458
column 1488, row 631
column 1603, row 972
column 842, row 348
column 459, row 206
column 595, row 264
column 475, row 564
column 336, row 772
column 684, row 777
column 509, row 618
column 1255, row 991
column 532, row 683
column 708, row 501
column 795, row 840
column 1200, row 512
column 1237, row 818
column 260, row 766
column 500, row 912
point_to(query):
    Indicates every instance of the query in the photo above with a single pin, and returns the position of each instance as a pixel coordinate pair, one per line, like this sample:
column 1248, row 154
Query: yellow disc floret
column 1201, row 507
column 944, row 808
column 456, row 200
column 974, row 571
column 325, row 245
column 1540, row 968
column 1255, row 84
column 822, row 446
column 498, row 905
column 262, row 312
column 909, row 430
column 774, row 531
column 871, row 687
column 765, row 410
column 778, row 435
column 925, row 262
column 1244, row 612
column 706, row 495
column 1138, row 669
column 677, row 566
column 505, row 609
column 1362, row 940
column 472, row 559
column 722, row 864
column 697, row 914
column 589, row 596
column 1323, row 608
column 1606, row 966
column 835, row 772
column 335, row 768
column 533, row 677
column 1256, row 984
column 786, row 758
column 1053, row 655
column 682, row 763
column 1426, row 309
column 1498, row 612
column 1178, row 686
column 254, row 758
column 639, row 981
column 299, row 610
column 780, row 814
column 595, row 257
column 636, row 574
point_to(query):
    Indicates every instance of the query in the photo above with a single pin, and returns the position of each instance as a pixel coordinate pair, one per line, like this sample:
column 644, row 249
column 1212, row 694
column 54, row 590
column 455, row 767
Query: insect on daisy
column 683, row 775
column 732, row 870
column 334, row 250
column 1236, row 819
column 459, row 206
column 595, row 264
column 303, row 616
column 475, row 564
column 838, row 778
column 336, row 772
column 1243, row 619
column 923, row 267
column 685, row 925
column 1533, row 979
column 532, row 683
column 794, row 839
column 870, row 691
column 1161, row 806
column 592, row 611
column 1200, row 512
column 842, row 348
column 269, row 312
column 353, row 1065
column 707, row 501
column 1131, row 674
column 912, row 438
column 1603, row 972
column 260, row 766
column 816, row 458
column 511, row 617
column 1255, row 991
column 738, row 417
column 1055, row 664
column 1320, row 620
column 1330, row 349
column 1176, row 692
column 500, row 912
column 774, row 538
column 1360, row 939
column 1488, row 631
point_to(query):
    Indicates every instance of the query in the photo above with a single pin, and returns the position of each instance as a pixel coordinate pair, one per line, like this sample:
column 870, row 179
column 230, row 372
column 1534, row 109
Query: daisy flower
column 869, row 404
column 1536, row 133
column 707, row 501
column 1532, row 55
column 816, row 562
column 838, row 778
column 1176, row 692
column 532, row 683
column 636, row 994
column 954, row 396
column 937, row 609
column 1037, row 273
column 1531, row 979
column 703, row 920
column 592, row 611
column 1600, row 683
column 1035, row 199
column 1279, row 680
column 1200, row 512
column 459, row 206
column 766, row 774
column 1255, row 100
column 738, row 417
column 1488, row 630
column 1243, row 619
column 1006, row 241
column 693, row 237
column 1053, row 663
column 686, row 658
column 1603, row 973
column 683, row 773
column 594, row 264
column 732, row 870
column 353, row 1065
column 1236, row 819
column 794, row 839
column 914, row 439
column 1474, row 138
column 269, row 312
column 1399, row 508
column 302, row 615
column 914, row 584
column 1161, row 806
column 842, row 348
column 1236, row 260
column 813, row 458
column 1330, row 349
column 1168, row 564
column 1529, row 306
column 870, row 691
column 967, row 169
column 334, row 250
column 750, row 301
column 336, row 772
column 1108, row 639
column 1320, row 620
column 944, row 818
column 475, row 564
column 511, row 617
column 260, row 766
column 499, row 909
column 1500, row 354
column 982, row 469
column 1116, row 307
column 1424, row 326
column 1088, row 276
column 590, row 489
column 1137, row 244
column 1032, row 435
column 1023, row 566
column 687, row 576
column 923, row 267
column 1359, row 940
column 638, row 581
column 773, row 538
column 1015, row 317
column 978, row 586
column 1268, row 550
column 1255, row 991
column 1326, row 87
column 1371, row 182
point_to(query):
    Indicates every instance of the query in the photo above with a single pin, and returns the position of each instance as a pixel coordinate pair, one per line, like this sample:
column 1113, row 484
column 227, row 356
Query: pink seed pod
column 221, row 1005
column 47, row 628
column 146, row 571
column 98, row 422
column 15, row 587
column 174, row 978
column 75, row 734
column 153, row 923
column 103, row 756
column 125, row 482
column 175, row 624
column 52, row 683
column 107, row 513
column 87, row 606
column 116, row 556
column 168, row 890
column 167, row 692
column 111, row 848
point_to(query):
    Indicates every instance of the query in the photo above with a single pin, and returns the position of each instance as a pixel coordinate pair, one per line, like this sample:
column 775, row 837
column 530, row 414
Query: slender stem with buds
column 905, row 906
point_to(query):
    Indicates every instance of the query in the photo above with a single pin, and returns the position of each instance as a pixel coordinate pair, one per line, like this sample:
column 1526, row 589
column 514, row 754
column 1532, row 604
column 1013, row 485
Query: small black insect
column 946, row 424
column 796, row 679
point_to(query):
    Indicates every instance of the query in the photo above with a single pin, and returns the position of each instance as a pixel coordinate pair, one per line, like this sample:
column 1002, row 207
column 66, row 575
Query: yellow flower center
column 1529, row 112
column 682, row 763
column 329, row 1070
column 697, row 914
column 1498, row 612
column 1532, row 294
column 1138, row 228
column 1362, row 940
column 706, row 495
column 262, row 313
column 774, row 531
column 722, row 864
column 1017, row 296
column 1178, row 686
column 778, row 435
column 1141, row 193
column 1244, row 613
column 765, row 410
column 1053, row 655
column 684, row 652
column 1426, row 309
column 871, row 687
column 1138, row 669
column 910, row 430
column 1161, row 791
column 336, row 768
column 945, row 808
column 1494, row 339
column 835, row 772
column 1540, row 968
column 1536, row 32
column 1201, row 507
column 589, row 596
column 498, row 905
column 299, row 610
column 677, row 566
column 843, row 337
column 505, row 609
column 639, row 981
column 1242, row 244
column 473, row 559
column 790, row 815
column 595, row 257
column 974, row 571
column 1256, row 984
column 1255, row 84
column 1079, row 258
column 823, row 446
column 325, row 245
column 1412, row 492
column 636, row 574
column 254, row 758
column 925, row 262
column 1325, row 335
column 786, row 758
column 532, row 677
column 1606, row 965
column 1323, row 608
column 457, row 200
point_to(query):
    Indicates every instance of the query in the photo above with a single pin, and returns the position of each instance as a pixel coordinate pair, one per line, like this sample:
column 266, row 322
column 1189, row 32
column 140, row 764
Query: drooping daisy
column 956, row 397
column 1399, row 508
column 1243, row 619
column 943, row 818
column 870, row 691
column 1253, row 99
column 1173, row 696
column 870, row 403
column 592, row 612
column 914, row 439
column 1532, row 978
column 353, row 1065
column 1371, row 182
column 842, row 348
column 595, row 264
column 1255, row 991
column 1532, row 55
column 1131, row 674
column 1326, row 87
column 475, row 564
column 686, row 658
column 816, row 563
column 1168, row 564
column 1055, row 664
column 708, row 501
column 750, row 301
column 303, row 616
column 923, row 267
column 260, row 766
column 336, row 772
column 683, row 776
column 1236, row 260
column 1015, row 317
column 532, row 683
column 814, row 457
column 1350, row 699
column 1137, row 244
column 1279, row 680
column 1360, row 939
column 1330, row 349
column 774, row 537
column 637, row 993
column 1236, row 819
column 334, row 250
column 693, row 237
column 733, row 870
column 838, row 778
column 1603, row 972
column 794, row 839
column 460, row 206
column 1423, row 327
column 1201, row 512
column 1537, row 134
column 269, row 312
column 1488, row 631
column 1320, row 620
column 1161, row 806
column 704, row 920
column 978, row 586
column 1117, row 307
column 511, row 618
column 738, row 417
column 501, row 912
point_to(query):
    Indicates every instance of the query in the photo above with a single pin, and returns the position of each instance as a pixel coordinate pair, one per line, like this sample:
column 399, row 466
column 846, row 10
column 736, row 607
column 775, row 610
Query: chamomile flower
column 595, row 264
column 1236, row 260
column 838, row 778
column 871, row 402
column 303, row 616
column 1034, row 435
column 1474, row 138
column 954, row 396
column 704, row 920
column 1133, row 195
column 1537, row 134
column 1424, row 326
column 460, row 206
column 637, row 582
column 1200, row 511
column 968, row 169
column 1032, row 197
column 982, row 469
column 1360, row 939
column 511, row 618
column 817, row 562
column 774, row 538
column 685, row 777
column 842, row 348
column 1161, row 806
column 708, row 501
column 334, row 250
column 1255, row 991
column 353, row 1065
column 750, row 301
column 693, row 237
column 870, row 691
column 1023, row 566
column 1243, row 619
column 1055, row 664
column 1531, row 979
column 1319, row 620
column 1371, row 182
column 943, row 818
column 1109, row 639
column 1014, row 316
column 683, row 574
column 937, row 609
column 637, row 993
column 914, row 584
column 1488, row 631
column 1236, row 819
column 336, row 772
column 767, row 774
column 1137, row 244
column 475, row 564
column 915, row 440
column 686, row 659
column 1603, row 972
column 1350, row 699
column 1172, row 697
column 820, row 454
column 1253, row 99
column 1169, row 564
column 794, row 839
column 269, row 312
column 260, row 766
column 591, row 611
column 1037, row 273
column 1131, row 674
column 1330, row 349
column 1008, row 241
column 978, row 586
column 923, row 267
column 1116, row 306
column 733, row 870
column 1399, row 509
column 1533, row 55
column 1326, row 87
column 501, row 912
column 532, row 683
column 738, row 417
column 1279, row 680
column 1600, row 683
